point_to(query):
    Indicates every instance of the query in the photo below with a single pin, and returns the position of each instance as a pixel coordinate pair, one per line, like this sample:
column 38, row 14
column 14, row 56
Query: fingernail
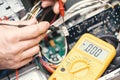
column 63, row 1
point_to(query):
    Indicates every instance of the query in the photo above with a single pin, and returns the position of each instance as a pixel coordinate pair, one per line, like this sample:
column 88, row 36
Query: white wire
column 30, row 13
column 85, row 15
column 78, row 4
column 27, row 15
column 36, row 13
column 66, row 48
column 104, row 2
column 81, row 6
column 35, row 6
column 85, row 9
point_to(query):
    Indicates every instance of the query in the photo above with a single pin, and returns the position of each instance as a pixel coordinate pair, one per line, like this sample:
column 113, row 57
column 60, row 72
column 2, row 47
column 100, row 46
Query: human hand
column 54, row 3
column 19, row 45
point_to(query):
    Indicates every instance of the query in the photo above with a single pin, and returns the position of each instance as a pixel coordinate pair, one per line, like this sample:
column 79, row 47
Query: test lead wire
column 62, row 10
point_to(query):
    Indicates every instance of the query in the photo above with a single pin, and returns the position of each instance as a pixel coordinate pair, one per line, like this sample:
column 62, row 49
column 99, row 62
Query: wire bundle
column 83, row 8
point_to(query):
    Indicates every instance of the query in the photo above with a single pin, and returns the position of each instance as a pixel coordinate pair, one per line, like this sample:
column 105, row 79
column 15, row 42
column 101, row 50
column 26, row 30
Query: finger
column 28, row 53
column 22, row 63
column 24, row 45
column 64, row 1
column 28, row 22
column 46, row 3
column 32, row 31
column 56, row 8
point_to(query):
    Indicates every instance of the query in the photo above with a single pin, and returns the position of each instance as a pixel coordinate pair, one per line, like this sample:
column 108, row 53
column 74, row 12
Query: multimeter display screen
column 94, row 50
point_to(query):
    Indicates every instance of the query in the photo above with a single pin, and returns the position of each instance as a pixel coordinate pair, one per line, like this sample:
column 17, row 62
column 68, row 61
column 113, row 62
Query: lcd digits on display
column 94, row 50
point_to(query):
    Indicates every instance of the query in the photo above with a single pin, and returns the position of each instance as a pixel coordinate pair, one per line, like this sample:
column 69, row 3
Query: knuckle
column 11, row 64
column 41, row 37
column 15, row 65
column 37, row 49
column 16, row 59
column 7, row 58
column 35, row 31
column 13, row 49
column 32, row 21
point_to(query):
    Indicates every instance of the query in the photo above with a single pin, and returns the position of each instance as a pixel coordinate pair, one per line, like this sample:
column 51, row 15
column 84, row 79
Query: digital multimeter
column 87, row 60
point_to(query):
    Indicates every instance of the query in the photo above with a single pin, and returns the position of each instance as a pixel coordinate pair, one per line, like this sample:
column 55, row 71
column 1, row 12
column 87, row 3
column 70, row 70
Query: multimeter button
column 59, row 78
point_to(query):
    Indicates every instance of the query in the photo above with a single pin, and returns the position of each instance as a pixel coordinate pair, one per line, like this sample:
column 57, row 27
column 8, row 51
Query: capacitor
column 52, row 43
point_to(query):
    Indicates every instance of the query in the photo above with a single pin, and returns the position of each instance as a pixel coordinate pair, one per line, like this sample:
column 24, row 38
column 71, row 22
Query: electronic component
column 87, row 60
column 51, row 46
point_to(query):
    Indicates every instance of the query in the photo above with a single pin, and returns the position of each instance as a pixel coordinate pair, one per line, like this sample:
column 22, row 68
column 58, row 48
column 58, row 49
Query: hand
column 19, row 45
column 46, row 3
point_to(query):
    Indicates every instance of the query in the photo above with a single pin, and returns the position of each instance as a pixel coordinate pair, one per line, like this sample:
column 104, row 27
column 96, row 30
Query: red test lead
column 61, row 8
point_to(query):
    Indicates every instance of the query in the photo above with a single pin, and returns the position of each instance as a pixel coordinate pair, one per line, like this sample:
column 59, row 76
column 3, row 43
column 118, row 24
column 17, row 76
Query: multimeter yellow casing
column 87, row 60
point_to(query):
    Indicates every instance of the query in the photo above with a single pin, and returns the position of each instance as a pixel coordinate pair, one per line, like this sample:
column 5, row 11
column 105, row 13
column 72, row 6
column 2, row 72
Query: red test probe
column 61, row 9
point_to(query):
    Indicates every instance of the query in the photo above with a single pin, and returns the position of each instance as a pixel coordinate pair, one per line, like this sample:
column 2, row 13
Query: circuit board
column 54, row 47
column 106, row 22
